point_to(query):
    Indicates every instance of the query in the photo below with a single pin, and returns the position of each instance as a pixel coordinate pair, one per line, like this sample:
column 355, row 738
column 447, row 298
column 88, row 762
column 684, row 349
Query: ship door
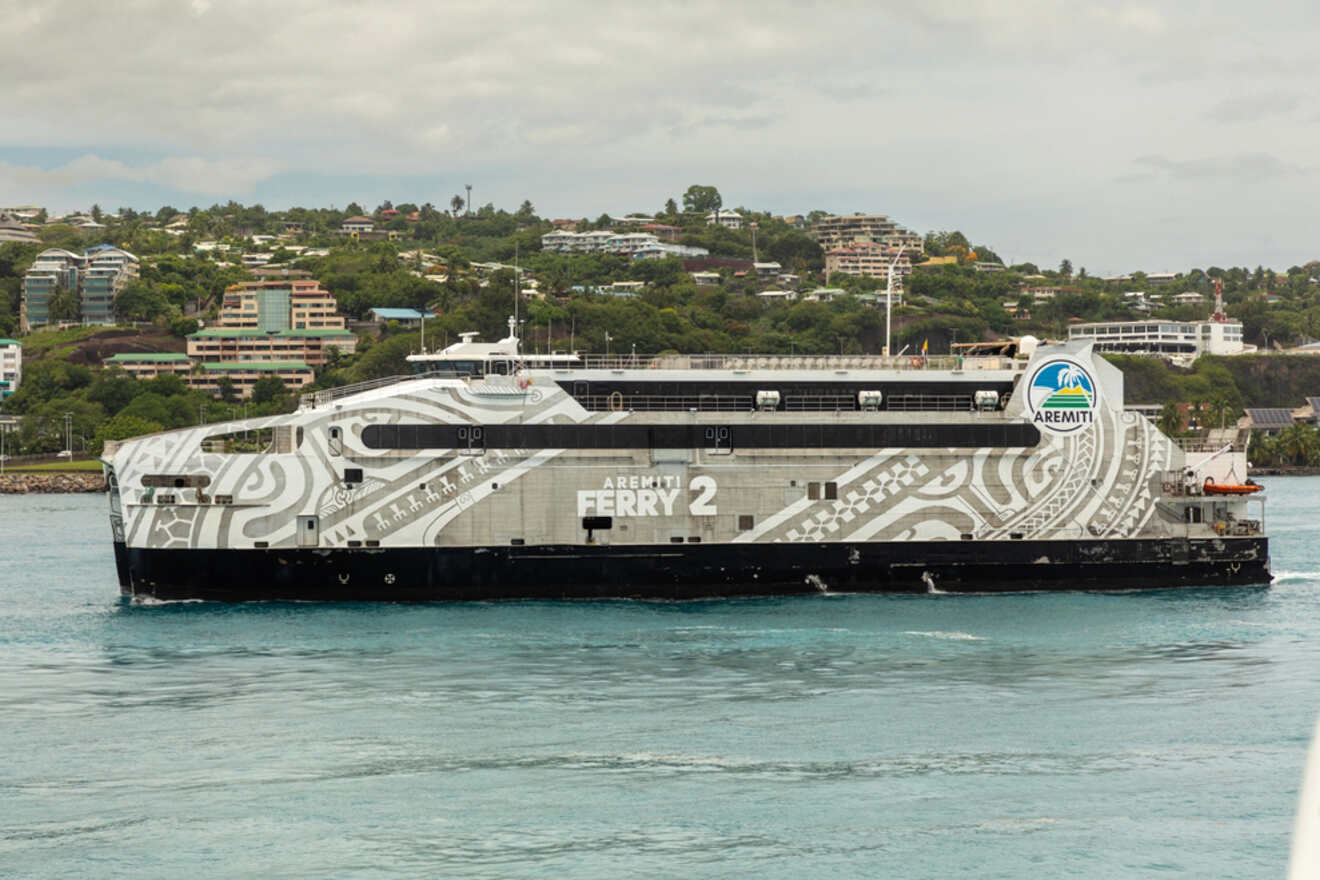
column 309, row 531
column 336, row 441
column 580, row 392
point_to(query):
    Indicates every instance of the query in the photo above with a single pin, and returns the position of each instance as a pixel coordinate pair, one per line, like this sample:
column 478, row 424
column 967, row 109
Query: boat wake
column 1282, row 577
column 940, row 634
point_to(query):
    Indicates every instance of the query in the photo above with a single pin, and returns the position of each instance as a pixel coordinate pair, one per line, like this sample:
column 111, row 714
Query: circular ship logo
column 1061, row 396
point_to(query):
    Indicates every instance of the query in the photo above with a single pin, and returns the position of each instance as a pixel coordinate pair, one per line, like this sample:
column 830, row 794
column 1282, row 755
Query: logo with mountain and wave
column 1061, row 396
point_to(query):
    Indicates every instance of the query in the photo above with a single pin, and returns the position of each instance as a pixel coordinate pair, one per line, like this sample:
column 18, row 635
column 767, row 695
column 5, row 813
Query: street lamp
column 889, row 296
column 68, row 433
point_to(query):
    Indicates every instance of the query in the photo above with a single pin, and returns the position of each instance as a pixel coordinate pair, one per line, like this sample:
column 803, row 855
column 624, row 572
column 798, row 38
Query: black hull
column 688, row 571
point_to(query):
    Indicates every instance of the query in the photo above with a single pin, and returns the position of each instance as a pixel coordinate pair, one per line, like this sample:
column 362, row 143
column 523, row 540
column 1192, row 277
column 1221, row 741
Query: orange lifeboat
column 1212, row 488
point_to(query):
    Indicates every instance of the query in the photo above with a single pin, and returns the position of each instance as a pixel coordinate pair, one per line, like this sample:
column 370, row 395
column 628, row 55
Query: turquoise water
column 1084, row 735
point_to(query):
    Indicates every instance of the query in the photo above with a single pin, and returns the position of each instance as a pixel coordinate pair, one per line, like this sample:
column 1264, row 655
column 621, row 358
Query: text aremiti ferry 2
column 493, row 474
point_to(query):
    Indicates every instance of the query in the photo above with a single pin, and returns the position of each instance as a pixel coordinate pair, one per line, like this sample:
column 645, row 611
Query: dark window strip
column 762, row 436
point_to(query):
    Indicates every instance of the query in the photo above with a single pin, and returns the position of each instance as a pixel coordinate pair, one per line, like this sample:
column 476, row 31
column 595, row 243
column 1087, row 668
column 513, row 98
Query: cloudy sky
column 1122, row 136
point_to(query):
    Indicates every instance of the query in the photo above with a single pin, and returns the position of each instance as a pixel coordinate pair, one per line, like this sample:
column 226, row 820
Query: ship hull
column 688, row 571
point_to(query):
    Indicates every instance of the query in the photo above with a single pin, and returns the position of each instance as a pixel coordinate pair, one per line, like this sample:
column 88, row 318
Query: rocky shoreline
column 39, row 483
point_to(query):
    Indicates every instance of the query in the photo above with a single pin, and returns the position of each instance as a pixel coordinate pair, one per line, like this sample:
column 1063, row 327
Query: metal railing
column 617, row 401
column 316, row 399
column 793, row 362
column 1201, row 444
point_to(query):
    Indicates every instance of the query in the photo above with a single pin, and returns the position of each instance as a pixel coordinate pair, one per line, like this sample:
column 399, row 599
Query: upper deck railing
column 832, row 362
column 317, row 399
column 725, row 362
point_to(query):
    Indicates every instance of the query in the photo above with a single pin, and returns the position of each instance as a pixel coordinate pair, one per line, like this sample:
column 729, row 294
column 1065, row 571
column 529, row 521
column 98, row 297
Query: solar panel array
column 1315, row 404
column 1270, row 418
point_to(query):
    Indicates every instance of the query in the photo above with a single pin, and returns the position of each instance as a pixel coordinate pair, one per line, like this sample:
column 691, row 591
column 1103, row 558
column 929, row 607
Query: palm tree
column 1071, row 377
column 457, row 204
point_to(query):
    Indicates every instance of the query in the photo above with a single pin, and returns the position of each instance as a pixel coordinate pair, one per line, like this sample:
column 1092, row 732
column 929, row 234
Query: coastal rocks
column 23, row 483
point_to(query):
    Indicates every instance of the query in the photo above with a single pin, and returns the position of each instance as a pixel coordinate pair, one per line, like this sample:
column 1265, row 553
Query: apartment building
column 11, row 366
column 294, row 304
column 12, row 228
column 109, row 270
column 868, row 259
column 149, row 365
column 244, row 376
column 639, row 245
column 95, row 277
column 839, row 230
column 311, row 346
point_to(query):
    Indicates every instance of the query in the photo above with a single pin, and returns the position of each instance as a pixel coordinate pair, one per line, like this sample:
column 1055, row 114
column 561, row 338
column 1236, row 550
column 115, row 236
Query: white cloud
column 188, row 174
column 1001, row 114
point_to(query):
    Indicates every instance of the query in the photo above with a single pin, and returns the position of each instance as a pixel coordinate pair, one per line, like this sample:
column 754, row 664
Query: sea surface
column 1083, row 735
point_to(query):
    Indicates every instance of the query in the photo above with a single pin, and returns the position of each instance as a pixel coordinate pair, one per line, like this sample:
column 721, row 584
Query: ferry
column 490, row 473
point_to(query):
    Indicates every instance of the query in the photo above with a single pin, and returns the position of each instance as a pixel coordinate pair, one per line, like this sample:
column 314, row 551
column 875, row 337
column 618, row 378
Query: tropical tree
column 456, row 204
column 702, row 199
column 64, row 305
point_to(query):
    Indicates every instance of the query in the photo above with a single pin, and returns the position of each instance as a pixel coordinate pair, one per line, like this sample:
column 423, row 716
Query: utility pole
column 68, row 433
column 889, row 297
column 755, row 258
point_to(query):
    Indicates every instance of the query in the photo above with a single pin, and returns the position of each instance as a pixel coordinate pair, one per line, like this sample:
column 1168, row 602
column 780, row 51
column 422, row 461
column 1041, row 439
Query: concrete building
column 94, row 277
column 12, row 229
column 53, row 270
column 727, row 219
column 868, row 259
column 295, row 304
column 11, row 366
column 1178, row 341
column 224, row 344
column 244, row 376
column 149, row 365
column 109, row 270
column 357, row 224
column 639, row 245
column 836, row 231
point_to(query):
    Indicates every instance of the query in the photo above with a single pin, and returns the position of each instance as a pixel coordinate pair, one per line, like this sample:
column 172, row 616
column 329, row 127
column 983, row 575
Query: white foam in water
column 940, row 634
column 1282, row 576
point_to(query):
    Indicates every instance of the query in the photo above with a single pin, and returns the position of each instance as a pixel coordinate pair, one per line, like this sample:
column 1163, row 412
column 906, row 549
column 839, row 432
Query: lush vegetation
column 440, row 258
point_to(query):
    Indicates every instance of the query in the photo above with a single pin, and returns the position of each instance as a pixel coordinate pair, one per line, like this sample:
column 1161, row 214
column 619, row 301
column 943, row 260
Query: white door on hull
column 309, row 531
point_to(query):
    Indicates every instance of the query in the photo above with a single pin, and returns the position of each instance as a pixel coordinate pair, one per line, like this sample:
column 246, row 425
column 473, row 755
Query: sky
column 1121, row 136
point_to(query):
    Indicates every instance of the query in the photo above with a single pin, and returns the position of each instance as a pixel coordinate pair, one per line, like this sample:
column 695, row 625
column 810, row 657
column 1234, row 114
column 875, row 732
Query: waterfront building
column 11, row 366
column 1179, row 341
column 149, row 365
